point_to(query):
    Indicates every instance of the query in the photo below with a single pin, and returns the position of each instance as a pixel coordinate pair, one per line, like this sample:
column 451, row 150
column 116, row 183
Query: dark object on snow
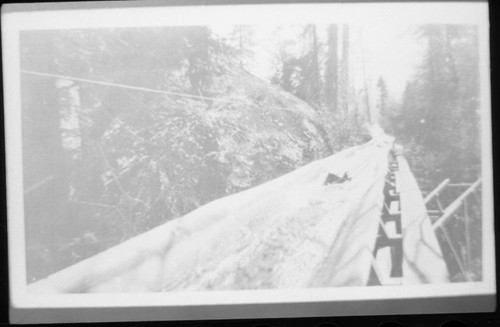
column 334, row 179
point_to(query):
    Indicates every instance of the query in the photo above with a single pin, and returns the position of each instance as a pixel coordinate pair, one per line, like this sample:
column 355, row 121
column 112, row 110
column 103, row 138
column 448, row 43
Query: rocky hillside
column 133, row 168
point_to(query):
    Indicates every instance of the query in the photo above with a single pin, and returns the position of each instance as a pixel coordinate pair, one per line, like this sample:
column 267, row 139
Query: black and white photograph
column 333, row 149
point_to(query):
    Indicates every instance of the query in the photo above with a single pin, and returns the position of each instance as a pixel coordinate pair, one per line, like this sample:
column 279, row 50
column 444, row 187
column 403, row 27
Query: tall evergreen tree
column 440, row 106
column 300, row 73
column 199, row 61
column 344, row 70
column 242, row 41
column 331, row 69
column 45, row 170
column 382, row 96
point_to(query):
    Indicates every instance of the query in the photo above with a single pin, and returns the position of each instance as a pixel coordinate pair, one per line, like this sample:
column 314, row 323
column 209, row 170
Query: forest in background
column 104, row 163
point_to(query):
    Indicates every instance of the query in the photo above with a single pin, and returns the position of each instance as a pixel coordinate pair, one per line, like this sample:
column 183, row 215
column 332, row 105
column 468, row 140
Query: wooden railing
column 458, row 208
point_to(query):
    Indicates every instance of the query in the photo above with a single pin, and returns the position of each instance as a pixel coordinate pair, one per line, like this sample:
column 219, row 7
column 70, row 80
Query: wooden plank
column 382, row 267
column 455, row 205
column 351, row 255
column 422, row 257
column 437, row 190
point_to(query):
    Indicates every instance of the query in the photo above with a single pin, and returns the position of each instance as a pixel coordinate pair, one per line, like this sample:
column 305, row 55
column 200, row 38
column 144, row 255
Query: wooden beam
column 452, row 208
column 436, row 191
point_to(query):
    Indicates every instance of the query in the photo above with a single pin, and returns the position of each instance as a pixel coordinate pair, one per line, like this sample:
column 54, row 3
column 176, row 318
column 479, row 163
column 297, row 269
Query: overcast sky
column 389, row 51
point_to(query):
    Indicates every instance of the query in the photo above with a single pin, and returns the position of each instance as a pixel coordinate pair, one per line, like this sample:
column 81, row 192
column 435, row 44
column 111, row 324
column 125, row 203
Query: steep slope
column 135, row 160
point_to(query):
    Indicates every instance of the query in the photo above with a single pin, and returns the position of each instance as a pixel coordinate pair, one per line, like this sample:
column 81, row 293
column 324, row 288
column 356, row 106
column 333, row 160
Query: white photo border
column 448, row 298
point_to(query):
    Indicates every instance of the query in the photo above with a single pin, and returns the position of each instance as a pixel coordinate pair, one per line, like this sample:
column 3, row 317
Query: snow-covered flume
column 317, row 226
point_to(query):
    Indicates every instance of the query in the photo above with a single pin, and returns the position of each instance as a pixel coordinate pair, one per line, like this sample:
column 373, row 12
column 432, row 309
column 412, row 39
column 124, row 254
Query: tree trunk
column 44, row 159
column 345, row 69
column 331, row 73
column 315, row 78
column 199, row 62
